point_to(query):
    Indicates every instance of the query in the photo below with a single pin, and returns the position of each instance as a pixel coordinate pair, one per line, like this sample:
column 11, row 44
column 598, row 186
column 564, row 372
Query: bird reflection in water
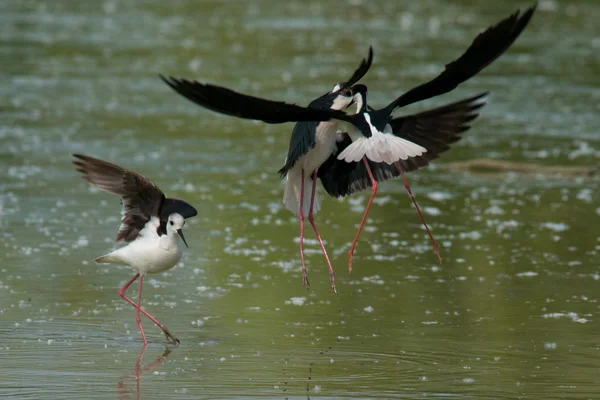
column 124, row 391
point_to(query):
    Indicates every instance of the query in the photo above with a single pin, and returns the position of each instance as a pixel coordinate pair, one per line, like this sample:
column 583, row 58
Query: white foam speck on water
column 468, row 380
column 317, row 389
column 549, row 5
column 598, row 210
column 585, row 195
column 23, row 172
column 297, row 301
column 369, row 309
column 376, row 279
column 274, row 207
column 429, row 322
column 82, row 241
column 527, row 274
column 583, row 149
column 432, row 211
column 249, row 206
column 571, row 315
column 555, row 226
column 501, row 226
column 439, row 196
column 550, row 345
column 285, row 266
column 156, row 283
column 494, row 210
column 382, row 200
column 474, row 235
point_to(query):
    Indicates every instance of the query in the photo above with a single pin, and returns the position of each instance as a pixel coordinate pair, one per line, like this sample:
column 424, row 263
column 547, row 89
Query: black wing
column 141, row 199
column 303, row 139
column 434, row 129
column 303, row 136
column 229, row 102
column 362, row 69
column 487, row 46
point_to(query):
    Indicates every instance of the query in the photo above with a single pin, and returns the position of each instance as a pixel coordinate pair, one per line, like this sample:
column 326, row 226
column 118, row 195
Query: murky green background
column 511, row 313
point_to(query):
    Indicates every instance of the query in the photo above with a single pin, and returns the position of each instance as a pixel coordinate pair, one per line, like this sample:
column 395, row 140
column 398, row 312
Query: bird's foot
column 332, row 279
column 170, row 339
column 305, row 282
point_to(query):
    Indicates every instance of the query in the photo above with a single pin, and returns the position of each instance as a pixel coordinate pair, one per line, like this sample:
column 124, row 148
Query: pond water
column 512, row 312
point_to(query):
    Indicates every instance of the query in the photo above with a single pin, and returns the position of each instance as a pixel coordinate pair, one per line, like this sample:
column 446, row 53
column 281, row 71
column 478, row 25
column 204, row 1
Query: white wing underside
column 380, row 147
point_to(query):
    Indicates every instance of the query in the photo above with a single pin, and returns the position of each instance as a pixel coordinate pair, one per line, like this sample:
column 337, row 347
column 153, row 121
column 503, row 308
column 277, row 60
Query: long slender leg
column 138, row 317
column 311, row 218
column 170, row 337
column 364, row 218
column 407, row 186
column 301, row 218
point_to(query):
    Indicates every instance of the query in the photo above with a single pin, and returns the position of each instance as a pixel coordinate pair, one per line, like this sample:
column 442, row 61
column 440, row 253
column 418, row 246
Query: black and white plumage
column 140, row 198
column 434, row 129
column 486, row 48
column 151, row 226
column 340, row 179
column 313, row 138
column 370, row 131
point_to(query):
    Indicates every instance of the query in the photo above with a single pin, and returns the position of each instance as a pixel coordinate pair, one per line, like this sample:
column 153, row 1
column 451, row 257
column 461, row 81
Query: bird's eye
column 171, row 222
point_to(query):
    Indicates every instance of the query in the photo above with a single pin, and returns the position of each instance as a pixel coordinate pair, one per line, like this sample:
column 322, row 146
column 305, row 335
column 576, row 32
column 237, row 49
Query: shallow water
column 510, row 313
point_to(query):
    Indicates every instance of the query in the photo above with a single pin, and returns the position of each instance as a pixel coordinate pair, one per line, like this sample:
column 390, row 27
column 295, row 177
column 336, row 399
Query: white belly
column 324, row 147
column 152, row 255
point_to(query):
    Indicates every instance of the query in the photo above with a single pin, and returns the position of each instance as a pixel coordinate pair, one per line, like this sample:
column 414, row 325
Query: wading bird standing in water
column 151, row 225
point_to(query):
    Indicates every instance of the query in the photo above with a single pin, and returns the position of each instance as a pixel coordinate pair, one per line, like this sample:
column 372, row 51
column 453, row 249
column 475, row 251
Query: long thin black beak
column 180, row 232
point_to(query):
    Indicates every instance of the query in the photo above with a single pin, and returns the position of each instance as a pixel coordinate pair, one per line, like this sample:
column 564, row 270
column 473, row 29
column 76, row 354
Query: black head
column 338, row 98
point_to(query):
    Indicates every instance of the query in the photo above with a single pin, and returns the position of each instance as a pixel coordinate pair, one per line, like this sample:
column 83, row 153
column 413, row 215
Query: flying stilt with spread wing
column 372, row 139
column 355, row 148
column 311, row 144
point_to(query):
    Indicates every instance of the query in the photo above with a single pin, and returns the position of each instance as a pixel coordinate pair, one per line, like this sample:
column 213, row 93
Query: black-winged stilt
column 378, row 147
column 369, row 130
column 151, row 225
column 311, row 143
column 435, row 130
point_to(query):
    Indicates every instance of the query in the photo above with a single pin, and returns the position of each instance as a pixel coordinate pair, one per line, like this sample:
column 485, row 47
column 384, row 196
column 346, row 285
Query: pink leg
column 138, row 317
column 167, row 333
column 364, row 218
column 407, row 186
column 311, row 218
column 301, row 218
